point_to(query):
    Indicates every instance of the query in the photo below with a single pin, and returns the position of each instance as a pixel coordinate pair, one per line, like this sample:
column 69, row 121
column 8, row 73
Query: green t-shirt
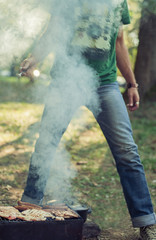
column 96, row 32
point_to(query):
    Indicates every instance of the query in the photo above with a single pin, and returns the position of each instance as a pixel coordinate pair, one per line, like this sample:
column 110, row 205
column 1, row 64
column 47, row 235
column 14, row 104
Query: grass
column 97, row 183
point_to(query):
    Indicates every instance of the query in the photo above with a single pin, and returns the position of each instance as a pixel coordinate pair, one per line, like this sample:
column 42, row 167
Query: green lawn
column 97, row 183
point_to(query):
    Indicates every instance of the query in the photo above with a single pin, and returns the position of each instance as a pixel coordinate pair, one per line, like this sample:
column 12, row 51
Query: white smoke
column 20, row 22
column 59, row 185
column 74, row 83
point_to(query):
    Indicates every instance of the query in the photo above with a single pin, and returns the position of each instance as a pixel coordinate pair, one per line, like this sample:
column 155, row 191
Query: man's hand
column 134, row 99
column 28, row 66
column 124, row 65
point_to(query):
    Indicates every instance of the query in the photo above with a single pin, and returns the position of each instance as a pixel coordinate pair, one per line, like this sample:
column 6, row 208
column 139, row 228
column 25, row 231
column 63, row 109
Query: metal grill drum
column 69, row 229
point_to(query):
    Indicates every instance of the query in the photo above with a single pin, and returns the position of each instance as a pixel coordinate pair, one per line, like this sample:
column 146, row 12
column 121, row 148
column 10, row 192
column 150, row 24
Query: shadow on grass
column 28, row 135
column 13, row 89
column 14, row 166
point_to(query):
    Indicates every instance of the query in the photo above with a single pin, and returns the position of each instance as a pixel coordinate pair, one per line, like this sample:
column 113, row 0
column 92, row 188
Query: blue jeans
column 114, row 122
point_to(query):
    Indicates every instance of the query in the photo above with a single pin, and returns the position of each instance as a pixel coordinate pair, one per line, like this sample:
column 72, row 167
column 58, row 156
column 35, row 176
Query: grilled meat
column 26, row 204
column 32, row 212
column 9, row 212
column 35, row 215
column 62, row 213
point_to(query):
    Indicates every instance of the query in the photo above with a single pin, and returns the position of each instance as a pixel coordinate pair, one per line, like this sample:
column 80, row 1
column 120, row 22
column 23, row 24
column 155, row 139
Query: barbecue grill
column 69, row 229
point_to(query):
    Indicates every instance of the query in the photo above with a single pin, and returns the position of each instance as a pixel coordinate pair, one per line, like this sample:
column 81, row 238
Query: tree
column 145, row 67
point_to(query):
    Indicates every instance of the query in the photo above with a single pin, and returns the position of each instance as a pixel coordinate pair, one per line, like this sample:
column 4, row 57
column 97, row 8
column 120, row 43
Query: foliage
column 149, row 7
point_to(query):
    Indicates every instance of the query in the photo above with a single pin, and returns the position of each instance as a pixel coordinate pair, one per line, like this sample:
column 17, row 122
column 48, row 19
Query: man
column 99, row 35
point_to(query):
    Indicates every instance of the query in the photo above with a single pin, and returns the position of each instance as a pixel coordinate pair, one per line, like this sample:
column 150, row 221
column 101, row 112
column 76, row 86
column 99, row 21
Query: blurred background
column 22, row 100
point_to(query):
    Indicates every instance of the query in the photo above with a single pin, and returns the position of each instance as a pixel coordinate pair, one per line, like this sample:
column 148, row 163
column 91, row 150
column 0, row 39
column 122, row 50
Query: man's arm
column 40, row 51
column 124, row 65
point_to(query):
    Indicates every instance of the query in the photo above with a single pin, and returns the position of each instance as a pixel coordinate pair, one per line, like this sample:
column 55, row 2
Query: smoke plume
column 74, row 83
column 20, row 22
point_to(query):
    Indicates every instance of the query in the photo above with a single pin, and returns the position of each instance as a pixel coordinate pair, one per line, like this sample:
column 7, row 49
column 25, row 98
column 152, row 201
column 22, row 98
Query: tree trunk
column 145, row 67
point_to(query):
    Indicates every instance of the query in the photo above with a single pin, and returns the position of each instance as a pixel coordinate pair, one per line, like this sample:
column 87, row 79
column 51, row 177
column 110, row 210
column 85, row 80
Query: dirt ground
column 110, row 234
column 114, row 235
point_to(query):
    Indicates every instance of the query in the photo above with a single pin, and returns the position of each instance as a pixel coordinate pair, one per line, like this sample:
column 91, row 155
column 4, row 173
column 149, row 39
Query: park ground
column 97, row 183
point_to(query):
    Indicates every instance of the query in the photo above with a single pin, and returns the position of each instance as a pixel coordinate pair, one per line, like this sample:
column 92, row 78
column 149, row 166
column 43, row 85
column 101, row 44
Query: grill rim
column 48, row 220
